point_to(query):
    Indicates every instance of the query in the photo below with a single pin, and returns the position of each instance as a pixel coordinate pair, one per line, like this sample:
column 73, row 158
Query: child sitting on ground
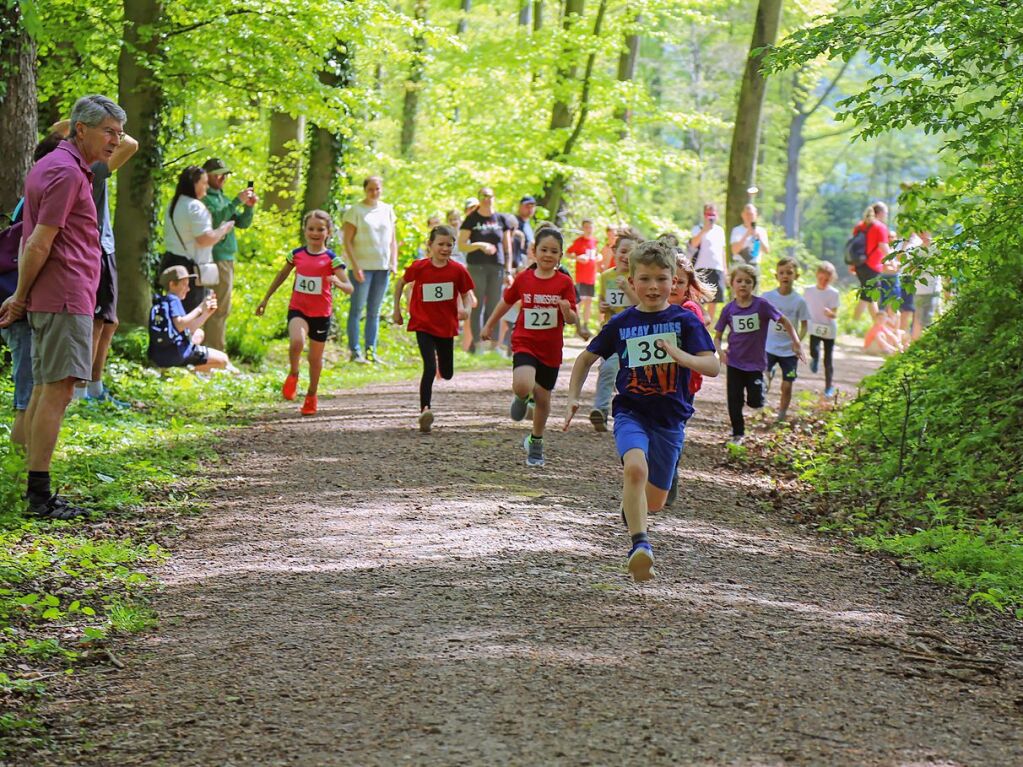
column 175, row 338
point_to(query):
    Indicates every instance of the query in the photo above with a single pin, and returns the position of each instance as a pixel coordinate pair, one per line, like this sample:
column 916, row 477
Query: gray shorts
column 61, row 346
column 927, row 306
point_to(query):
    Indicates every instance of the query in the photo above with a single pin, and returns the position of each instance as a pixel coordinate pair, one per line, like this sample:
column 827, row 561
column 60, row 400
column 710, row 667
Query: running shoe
column 290, row 385
column 782, row 417
column 736, row 439
column 309, row 406
column 814, row 364
column 534, row 451
column 529, row 408
column 641, row 562
column 518, row 409
column 359, row 359
column 673, row 490
column 106, row 396
column 599, row 419
column 770, row 378
column 830, row 392
column 56, row 507
column 425, row 421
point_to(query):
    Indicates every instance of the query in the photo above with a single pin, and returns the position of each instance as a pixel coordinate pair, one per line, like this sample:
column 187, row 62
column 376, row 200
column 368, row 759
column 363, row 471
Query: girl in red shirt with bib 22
column 440, row 297
column 317, row 270
column 548, row 303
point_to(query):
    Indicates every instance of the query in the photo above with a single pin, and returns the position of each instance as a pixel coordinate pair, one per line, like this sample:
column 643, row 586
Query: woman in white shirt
column 188, row 231
column 371, row 250
column 748, row 240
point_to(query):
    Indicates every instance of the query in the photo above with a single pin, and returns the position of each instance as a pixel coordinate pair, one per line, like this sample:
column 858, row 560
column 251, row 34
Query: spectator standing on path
column 749, row 240
column 587, row 258
column 371, row 249
column 708, row 244
column 454, row 219
column 522, row 241
column 189, row 234
column 486, row 240
column 877, row 248
column 239, row 210
column 58, row 275
column 105, row 319
column 928, row 290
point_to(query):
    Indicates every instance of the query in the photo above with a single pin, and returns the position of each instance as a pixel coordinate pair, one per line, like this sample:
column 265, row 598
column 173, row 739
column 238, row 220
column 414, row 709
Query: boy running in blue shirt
column 657, row 344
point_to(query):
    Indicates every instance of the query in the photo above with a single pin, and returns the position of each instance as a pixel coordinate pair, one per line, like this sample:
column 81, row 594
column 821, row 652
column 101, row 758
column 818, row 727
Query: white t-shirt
column 817, row 301
column 754, row 251
column 927, row 284
column 374, row 230
column 192, row 219
column 711, row 254
column 795, row 309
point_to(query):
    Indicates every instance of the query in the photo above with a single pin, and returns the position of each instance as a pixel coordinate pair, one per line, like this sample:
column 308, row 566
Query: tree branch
column 584, row 97
column 830, row 88
column 829, row 135
column 197, row 25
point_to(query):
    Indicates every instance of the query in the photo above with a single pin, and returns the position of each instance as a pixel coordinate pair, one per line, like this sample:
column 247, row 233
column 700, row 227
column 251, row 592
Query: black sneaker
column 56, row 507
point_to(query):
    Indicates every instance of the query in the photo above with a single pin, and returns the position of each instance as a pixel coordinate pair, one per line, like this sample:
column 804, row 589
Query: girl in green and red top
column 587, row 261
column 441, row 296
column 317, row 270
column 548, row 302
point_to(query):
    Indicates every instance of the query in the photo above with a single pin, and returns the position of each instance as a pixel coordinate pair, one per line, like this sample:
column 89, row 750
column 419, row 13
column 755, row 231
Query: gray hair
column 92, row 110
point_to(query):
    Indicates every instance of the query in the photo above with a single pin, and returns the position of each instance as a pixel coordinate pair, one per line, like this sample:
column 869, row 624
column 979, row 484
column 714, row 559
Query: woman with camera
column 748, row 240
column 189, row 235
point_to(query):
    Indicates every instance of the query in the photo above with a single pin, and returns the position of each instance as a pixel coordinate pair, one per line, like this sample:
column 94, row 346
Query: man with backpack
column 865, row 253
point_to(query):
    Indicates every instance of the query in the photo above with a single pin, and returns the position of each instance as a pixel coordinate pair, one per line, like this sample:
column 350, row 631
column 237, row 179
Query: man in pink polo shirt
column 58, row 274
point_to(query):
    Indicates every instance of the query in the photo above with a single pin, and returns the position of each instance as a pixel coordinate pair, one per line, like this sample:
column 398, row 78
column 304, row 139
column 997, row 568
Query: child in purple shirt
column 748, row 319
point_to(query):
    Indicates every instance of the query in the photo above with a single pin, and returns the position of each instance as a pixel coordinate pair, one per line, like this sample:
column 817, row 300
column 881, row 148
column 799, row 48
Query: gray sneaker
column 518, row 409
column 534, row 451
column 599, row 419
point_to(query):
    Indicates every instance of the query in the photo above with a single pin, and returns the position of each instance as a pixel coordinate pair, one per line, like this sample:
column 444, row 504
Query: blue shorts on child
column 661, row 444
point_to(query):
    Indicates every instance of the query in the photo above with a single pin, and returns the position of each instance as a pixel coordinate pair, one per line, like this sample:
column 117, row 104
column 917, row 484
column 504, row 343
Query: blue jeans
column 606, row 382
column 368, row 295
column 18, row 338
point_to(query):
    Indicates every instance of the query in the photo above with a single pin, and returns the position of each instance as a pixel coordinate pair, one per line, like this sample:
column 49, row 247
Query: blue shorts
column 891, row 289
column 789, row 365
column 18, row 338
column 661, row 445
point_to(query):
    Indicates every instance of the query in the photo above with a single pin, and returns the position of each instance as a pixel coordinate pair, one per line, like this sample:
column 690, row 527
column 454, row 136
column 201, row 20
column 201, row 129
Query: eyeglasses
column 111, row 133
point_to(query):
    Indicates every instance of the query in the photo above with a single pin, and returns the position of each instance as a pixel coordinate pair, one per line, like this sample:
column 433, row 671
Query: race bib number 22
column 540, row 319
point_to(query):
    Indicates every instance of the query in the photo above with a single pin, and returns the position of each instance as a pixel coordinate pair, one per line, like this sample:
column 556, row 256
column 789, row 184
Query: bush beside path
column 359, row 593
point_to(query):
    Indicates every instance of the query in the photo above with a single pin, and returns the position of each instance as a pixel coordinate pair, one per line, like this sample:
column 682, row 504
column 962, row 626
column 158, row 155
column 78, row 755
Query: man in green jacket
column 222, row 209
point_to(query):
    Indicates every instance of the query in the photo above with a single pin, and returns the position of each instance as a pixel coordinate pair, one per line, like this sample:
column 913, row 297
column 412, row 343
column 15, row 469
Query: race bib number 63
column 540, row 319
column 745, row 323
column 822, row 330
column 644, row 350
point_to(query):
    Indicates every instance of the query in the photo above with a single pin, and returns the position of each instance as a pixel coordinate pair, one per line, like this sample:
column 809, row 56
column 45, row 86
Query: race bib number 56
column 540, row 319
column 644, row 350
column 438, row 291
column 745, row 323
column 312, row 286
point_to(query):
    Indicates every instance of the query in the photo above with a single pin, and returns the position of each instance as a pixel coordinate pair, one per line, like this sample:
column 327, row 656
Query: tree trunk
column 793, row 149
column 742, row 160
column 17, row 104
column 140, row 94
column 413, row 85
column 285, row 161
column 463, row 21
column 537, row 15
column 526, row 13
column 327, row 147
column 626, row 73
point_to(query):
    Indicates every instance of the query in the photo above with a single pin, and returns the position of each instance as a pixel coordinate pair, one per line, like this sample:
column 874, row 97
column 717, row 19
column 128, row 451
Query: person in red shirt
column 548, row 302
column 317, row 271
column 587, row 259
column 441, row 296
column 874, row 223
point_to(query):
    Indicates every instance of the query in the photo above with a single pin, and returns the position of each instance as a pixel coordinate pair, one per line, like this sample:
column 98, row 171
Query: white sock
column 94, row 389
column 79, row 392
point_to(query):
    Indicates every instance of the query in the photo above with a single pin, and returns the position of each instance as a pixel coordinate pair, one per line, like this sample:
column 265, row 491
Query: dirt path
column 360, row 594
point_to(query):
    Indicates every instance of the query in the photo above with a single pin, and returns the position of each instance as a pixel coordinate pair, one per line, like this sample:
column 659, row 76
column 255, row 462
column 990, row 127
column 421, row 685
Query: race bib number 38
column 644, row 351
column 540, row 319
column 312, row 286
column 438, row 291
column 745, row 323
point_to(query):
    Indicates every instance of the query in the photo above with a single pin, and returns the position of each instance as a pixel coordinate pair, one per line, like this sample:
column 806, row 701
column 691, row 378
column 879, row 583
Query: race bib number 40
column 312, row 286
column 822, row 330
column 438, row 291
column 616, row 298
column 745, row 323
column 644, row 350
column 540, row 319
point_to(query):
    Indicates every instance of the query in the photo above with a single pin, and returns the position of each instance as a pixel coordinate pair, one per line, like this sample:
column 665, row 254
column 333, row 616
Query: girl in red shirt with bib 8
column 441, row 296
column 548, row 303
column 317, row 271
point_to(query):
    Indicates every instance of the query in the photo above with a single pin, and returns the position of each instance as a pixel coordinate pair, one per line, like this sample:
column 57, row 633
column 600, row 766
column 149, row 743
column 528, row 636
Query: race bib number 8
column 438, row 291
column 312, row 286
column 745, row 323
column 822, row 330
column 540, row 319
column 616, row 298
column 644, row 351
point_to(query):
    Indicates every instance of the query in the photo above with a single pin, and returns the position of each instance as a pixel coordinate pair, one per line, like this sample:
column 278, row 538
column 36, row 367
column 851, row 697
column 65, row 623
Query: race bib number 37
column 540, row 319
column 312, row 286
column 616, row 298
column 438, row 291
column 644, row 351
column 745, row 323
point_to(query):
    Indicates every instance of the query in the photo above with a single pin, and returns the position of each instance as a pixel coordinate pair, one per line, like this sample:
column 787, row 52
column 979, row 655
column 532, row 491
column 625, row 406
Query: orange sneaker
column 290, row 385
column 309, row 406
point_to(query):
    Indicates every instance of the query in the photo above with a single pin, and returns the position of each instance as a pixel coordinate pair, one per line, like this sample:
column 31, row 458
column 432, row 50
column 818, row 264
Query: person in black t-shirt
column 485, row 238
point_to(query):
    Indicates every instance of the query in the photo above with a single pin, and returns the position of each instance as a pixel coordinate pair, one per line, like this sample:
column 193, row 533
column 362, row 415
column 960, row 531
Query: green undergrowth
column 68, row 588
column 925, row 462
